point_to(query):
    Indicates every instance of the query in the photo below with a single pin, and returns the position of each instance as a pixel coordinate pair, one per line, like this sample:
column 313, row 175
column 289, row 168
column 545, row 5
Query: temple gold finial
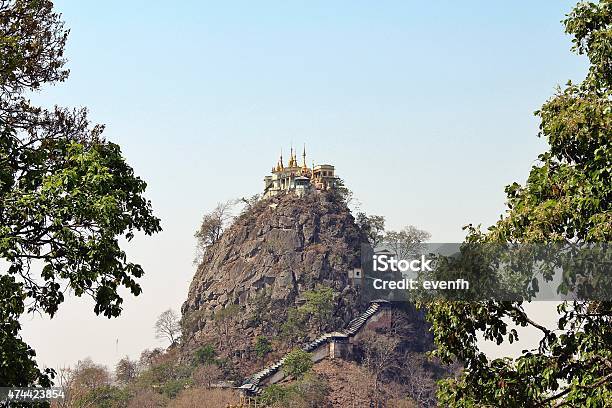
column 304, row 157
column 292, row 158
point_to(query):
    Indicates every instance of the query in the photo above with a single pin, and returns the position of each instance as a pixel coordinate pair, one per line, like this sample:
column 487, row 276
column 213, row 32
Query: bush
column 205, row 354
column 274, row 394
column 160, row 374
column 106, row 396
column 294, row 327
column 308, row 392
column 297, row 363
column 319, row 305
column 173, row 387
column 312, row 390
column 155, row 375
column 262, row 346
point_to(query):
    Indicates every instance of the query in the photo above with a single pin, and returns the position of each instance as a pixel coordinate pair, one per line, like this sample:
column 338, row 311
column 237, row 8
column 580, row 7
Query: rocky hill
column 264, row 263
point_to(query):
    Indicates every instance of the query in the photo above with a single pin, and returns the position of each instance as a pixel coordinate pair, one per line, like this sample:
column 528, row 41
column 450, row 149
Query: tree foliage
column 225, row 320
column 406, row 242
column 168, row 326
column 212, row 226
column 126, row 370
column 317, row 310
column 310, row 391
column 319, row 306
column 66, row 193
column 373, row 226
column 379, row 354
column 297, row 362
column 205, row 355
column 262, row 346
column 566, row 198
column 17, row 365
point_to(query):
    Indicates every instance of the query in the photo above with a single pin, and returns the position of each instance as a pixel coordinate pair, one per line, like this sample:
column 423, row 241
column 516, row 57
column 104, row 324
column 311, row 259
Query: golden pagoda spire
column 292, row 159
column 304, row 157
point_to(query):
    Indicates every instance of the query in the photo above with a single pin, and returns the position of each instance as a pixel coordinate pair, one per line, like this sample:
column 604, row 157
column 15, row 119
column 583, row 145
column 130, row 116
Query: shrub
column 319, row 305
column 311, row 389
column 274, row 394
column 308, row 392
column 155, row 375
column 106, row 396
column 205, row 354
column 173, row 387
column 262, row 346
column 297, row 363
column 294, row 326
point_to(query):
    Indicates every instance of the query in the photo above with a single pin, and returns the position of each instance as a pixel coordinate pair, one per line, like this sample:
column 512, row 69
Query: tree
column 293, row 329
column 406, row 242
column 190, row 324
column 249, row 202
column 88, row 385
column 319, row 306
column 90, row 375
column 17, row 365
column 567, row 198
column 378, row 354
column 260, row 306
column 126, row 370
column 211, row 227
column 168, row 326
column 148, row 358
column 226, row 319
column 373, row 227
column 360, row 387
column 297, row 362
column 418, row 381
column 262, row 346
column 309, row 391
column 206, row 375
column 346, row 195
column 66, row 193
column 318, row 309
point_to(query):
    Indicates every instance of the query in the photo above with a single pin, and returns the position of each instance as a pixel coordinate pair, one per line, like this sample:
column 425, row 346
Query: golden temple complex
column 298, row 178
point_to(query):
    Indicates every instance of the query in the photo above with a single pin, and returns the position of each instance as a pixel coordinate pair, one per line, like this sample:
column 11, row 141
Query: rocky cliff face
column 266, row 260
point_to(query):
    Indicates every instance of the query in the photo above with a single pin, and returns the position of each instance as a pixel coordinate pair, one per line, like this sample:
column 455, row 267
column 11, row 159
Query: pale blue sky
column 425, row 109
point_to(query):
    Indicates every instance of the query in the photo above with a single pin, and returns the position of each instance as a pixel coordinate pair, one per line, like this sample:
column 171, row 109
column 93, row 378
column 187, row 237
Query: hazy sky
column 424, row 107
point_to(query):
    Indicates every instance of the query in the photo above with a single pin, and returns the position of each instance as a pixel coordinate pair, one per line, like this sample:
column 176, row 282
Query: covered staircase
column 252, row 386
